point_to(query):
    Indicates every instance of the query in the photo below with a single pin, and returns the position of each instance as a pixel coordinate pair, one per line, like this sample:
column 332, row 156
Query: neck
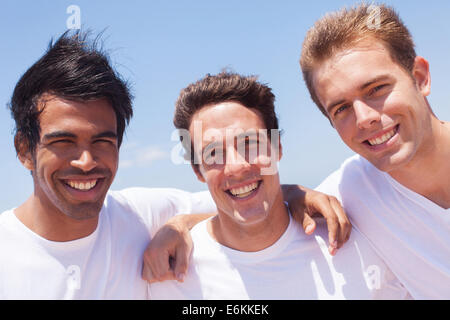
column 254, row 237
column 427, row 173
column 52, row 224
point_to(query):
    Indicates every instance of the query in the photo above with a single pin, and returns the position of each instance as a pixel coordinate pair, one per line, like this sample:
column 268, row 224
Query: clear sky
column 162, row 46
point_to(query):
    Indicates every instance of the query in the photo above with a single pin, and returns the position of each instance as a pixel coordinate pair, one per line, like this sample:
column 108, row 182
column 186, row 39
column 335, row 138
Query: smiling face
column 76, row 159
column 234, row 157
column 379, row 111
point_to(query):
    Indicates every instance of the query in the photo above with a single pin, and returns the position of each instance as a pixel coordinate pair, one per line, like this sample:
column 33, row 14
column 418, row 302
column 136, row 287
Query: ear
column 197, row 172
column 23, row 152
column 421, row 73
column 280, row 148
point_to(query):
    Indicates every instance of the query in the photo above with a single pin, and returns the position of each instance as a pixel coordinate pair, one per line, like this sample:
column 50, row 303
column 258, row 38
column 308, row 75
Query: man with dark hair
column 73, row 238
column 72, row 69
column 363, row 73
column 252, row 249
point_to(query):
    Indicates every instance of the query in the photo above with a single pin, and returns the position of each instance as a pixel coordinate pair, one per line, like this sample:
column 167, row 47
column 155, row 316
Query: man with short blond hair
column 362, row 71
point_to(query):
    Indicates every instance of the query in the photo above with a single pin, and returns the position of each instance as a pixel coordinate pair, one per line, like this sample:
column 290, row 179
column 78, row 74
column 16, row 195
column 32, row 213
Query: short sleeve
column 157, row 205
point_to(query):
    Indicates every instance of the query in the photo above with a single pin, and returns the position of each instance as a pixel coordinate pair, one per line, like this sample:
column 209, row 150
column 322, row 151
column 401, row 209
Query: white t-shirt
column 297, row 266
column 107, row 264
column 410, row 232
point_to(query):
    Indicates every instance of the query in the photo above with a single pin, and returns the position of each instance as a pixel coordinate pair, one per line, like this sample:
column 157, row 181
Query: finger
column 149, row 275
column 181, row 262
column 332, row 224
column 157, row 261
column 309, row 225
column 345, row 226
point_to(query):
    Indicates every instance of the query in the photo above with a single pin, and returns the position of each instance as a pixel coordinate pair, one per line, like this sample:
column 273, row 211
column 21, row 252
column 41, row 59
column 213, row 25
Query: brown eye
column 377, row 88
column 102, row 141
column 62, row 141
column 213, row 156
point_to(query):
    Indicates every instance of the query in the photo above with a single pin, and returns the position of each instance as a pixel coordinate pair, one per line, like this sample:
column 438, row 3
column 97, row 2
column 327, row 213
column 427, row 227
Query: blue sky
column 161, row 46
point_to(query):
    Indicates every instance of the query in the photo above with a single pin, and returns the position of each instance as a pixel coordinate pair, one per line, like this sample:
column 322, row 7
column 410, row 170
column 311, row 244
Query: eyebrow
column 362, row 87
column 106, row 134
column 238, row 137
column 375, row 80
column 67, row 134
column 58, row 134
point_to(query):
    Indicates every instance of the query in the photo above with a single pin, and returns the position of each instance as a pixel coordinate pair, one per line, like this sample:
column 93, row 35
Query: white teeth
column 244, row 191
column 382, row 139
column 82, row 186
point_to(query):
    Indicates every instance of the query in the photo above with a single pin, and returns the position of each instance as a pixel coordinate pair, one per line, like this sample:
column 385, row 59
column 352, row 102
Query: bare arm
column 167, row 255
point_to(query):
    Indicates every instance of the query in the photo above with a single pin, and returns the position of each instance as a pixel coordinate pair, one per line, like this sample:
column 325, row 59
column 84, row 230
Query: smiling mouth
column 82, row 185
column 383, row 139
column 244, row 191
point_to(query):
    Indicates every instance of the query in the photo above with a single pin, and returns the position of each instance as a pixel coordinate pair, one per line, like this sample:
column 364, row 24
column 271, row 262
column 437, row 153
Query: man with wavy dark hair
column 73, row 238
column 73, row 69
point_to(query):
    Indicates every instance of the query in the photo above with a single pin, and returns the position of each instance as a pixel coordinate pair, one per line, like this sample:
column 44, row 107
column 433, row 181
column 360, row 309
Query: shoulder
column 152, row 195
column 154, row 199
column 153, row 206
column 12, row 232
column 349, row 169
column 354, row 176
column 357, row 251
column 6, row 217
column 357, row 166
column 357, row 256
column 360, row 179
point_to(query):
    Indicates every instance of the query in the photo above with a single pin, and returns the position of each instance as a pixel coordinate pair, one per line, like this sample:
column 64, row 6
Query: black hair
column 72, row 68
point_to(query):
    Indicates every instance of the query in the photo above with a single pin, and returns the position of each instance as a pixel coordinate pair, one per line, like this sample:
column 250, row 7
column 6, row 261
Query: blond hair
column 345, row 28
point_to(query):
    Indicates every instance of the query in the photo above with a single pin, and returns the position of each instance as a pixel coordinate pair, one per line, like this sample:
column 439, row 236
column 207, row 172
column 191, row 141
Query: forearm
column 189, row 220
column 293, row 191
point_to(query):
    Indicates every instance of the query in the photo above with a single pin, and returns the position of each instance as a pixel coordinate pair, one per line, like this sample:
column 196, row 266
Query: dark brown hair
column 224, row 87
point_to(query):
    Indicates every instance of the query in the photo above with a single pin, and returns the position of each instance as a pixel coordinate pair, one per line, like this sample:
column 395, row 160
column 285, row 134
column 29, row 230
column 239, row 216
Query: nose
column 235, row 163
column 85, row 161
column 366, row 115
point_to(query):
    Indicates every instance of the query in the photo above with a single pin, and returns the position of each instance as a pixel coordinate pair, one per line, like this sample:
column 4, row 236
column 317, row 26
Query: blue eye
column 340, row 109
